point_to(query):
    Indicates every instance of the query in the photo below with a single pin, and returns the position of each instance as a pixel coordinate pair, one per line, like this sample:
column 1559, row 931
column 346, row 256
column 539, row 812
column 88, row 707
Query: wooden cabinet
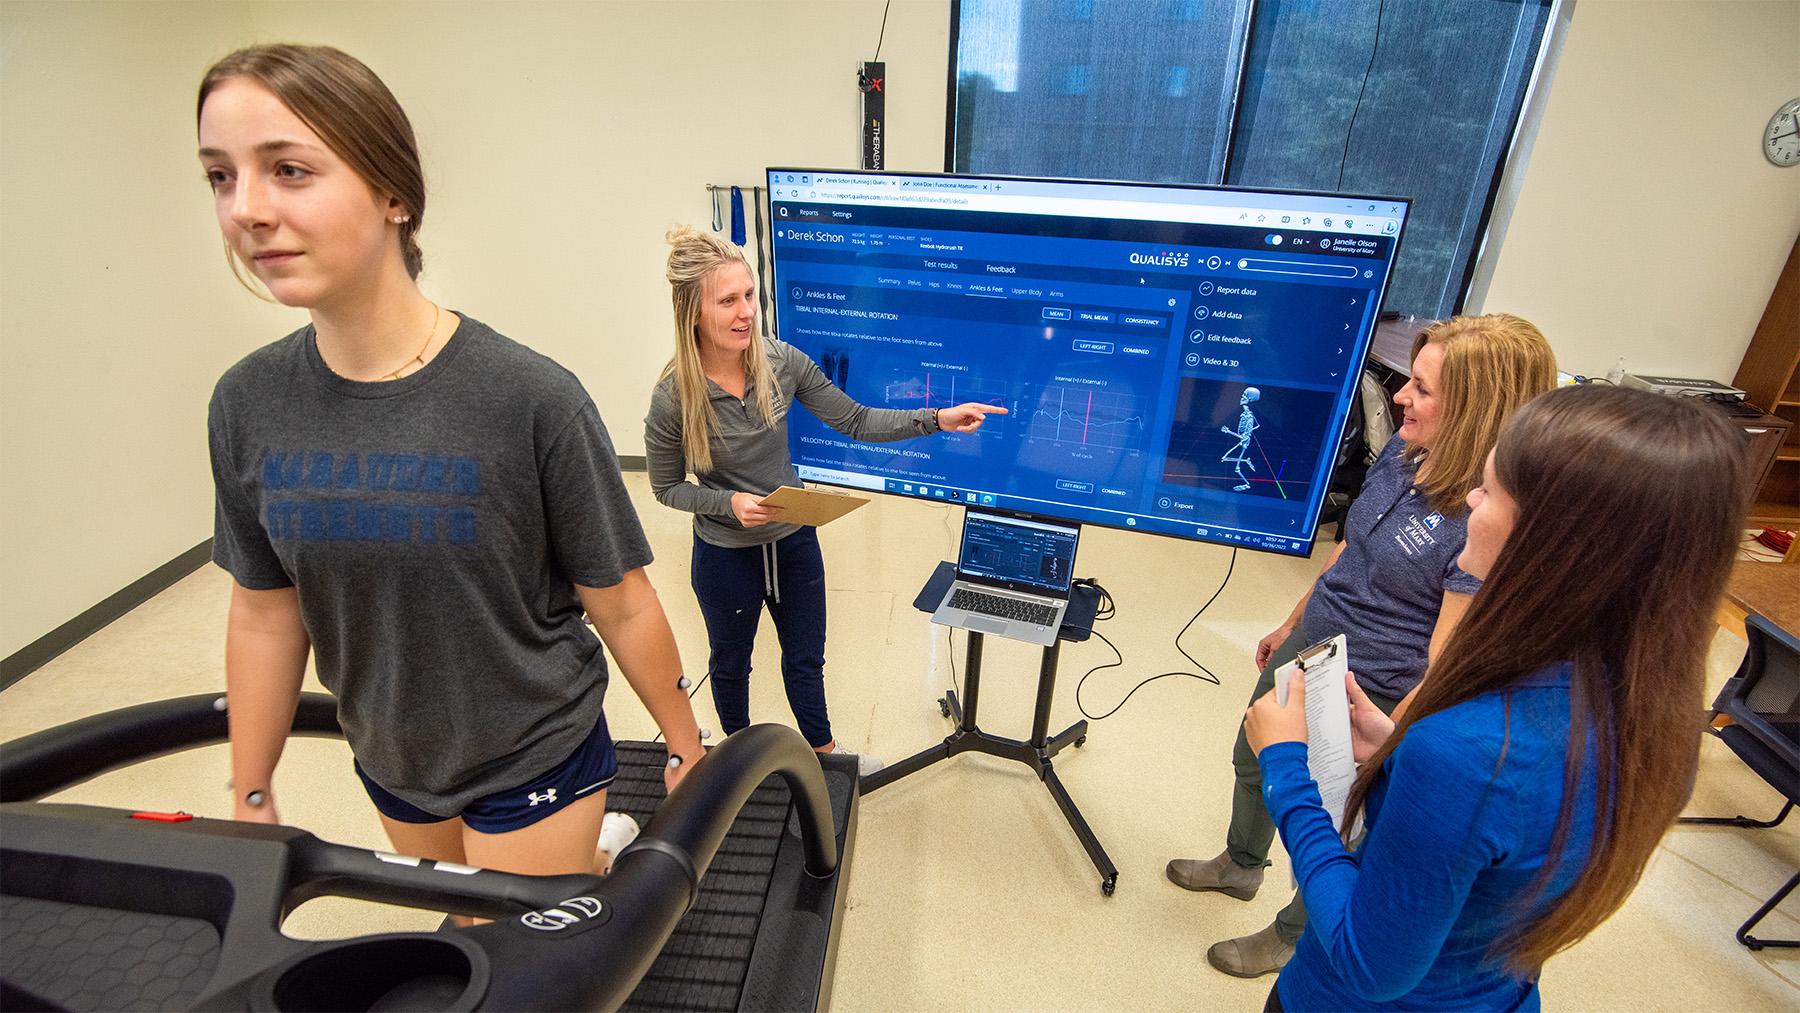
column 1770, row 373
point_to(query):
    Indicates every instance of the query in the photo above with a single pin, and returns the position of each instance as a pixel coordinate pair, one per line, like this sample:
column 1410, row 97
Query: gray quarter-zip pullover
column 748, row 456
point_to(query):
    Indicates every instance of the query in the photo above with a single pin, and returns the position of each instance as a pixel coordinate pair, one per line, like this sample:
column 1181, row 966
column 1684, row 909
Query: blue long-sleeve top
column 1458, row 827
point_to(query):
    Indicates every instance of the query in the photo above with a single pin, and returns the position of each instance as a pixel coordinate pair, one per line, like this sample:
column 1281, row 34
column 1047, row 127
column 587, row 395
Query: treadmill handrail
column 695, row 820
column 699, row 812
column 677, row 846
column 45, row 762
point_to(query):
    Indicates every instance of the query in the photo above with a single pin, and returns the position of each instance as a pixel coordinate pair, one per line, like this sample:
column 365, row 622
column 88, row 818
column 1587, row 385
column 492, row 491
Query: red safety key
column 163, row 817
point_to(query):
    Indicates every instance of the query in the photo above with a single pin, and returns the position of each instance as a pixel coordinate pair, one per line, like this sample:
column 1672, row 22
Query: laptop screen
column 1024, row 554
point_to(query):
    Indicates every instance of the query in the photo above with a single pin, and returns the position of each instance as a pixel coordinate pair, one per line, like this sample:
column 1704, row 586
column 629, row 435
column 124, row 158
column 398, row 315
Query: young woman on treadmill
column 423, row 505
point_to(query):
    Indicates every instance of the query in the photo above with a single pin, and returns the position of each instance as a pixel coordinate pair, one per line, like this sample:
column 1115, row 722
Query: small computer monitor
column 1173, row 359
column 1018, row 552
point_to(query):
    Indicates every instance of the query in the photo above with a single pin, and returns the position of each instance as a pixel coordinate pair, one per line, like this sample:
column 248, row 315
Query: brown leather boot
column 1250, row 956
column 1218, row 873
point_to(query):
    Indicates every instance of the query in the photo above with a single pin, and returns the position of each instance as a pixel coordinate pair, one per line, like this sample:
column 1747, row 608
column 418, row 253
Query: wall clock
column 1781, row 142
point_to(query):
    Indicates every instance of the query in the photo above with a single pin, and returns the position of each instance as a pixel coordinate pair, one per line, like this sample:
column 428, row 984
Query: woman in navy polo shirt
column 1392, row 586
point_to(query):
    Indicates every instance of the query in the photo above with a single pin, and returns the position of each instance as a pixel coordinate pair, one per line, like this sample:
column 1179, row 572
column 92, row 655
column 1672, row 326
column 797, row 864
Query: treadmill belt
column 705, row 962
column 84, row 957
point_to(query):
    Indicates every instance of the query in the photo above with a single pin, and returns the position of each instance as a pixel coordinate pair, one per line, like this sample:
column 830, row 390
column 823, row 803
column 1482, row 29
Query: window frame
column 1502, row 198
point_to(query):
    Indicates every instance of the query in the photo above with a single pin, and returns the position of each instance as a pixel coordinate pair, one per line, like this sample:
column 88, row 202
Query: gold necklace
column 436, row 312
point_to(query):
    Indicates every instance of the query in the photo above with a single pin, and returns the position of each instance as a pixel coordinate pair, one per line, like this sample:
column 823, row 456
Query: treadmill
column 730, row 899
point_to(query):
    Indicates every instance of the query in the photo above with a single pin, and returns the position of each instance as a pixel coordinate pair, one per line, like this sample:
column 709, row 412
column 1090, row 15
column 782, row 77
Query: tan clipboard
column 811, row 506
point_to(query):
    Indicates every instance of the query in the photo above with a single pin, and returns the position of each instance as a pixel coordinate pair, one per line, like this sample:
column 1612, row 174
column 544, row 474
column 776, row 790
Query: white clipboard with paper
column 1328, row 751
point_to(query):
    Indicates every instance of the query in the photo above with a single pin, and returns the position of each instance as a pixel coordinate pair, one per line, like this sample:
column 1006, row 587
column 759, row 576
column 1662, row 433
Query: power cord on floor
column 1106, row 611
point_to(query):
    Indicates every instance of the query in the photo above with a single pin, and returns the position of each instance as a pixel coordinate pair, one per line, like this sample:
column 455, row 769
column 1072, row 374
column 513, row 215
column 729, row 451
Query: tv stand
column 1078, row 625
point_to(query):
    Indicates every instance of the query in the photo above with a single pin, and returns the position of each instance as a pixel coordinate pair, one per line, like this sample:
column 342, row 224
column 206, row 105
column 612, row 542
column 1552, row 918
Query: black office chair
column 1761, row 705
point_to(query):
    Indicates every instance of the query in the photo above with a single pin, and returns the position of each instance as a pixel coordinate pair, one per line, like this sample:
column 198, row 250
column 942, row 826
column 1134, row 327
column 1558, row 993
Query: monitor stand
column 1078, row 625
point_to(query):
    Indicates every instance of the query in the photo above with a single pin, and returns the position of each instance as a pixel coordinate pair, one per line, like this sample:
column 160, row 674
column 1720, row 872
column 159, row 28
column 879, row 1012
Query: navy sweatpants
column 733, row 586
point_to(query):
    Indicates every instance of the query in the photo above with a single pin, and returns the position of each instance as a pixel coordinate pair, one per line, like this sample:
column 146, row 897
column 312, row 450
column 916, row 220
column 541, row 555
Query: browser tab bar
column 1117, row 201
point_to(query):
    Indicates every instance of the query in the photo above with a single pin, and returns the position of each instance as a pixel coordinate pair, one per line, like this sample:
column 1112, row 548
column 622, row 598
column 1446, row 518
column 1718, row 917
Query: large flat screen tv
column 1174, row 359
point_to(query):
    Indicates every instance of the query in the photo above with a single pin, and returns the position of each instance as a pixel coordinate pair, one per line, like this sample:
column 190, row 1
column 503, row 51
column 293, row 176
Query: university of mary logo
column 420, row 499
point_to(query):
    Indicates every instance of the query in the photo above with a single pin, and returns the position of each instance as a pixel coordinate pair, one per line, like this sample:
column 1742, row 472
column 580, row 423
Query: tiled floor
column 967, row 889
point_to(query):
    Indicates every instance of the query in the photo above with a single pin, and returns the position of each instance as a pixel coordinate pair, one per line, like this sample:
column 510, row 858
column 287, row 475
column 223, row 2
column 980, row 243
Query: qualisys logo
column 1167, row 258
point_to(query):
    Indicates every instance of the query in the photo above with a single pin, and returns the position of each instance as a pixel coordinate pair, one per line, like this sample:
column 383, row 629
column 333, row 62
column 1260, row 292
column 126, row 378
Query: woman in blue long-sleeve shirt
column 1514, row 806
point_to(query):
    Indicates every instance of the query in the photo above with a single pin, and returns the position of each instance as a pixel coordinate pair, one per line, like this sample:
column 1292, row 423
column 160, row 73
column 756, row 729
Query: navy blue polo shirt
column 1385, row 591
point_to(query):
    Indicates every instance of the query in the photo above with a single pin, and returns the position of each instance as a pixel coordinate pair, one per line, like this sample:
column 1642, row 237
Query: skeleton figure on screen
column 1246, row 424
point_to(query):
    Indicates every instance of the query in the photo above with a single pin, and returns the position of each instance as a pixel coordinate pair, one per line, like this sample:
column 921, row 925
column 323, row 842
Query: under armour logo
column 549, row 795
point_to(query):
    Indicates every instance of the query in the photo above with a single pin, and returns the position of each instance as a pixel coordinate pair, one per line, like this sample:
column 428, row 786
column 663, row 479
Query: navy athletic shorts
column 589, row 769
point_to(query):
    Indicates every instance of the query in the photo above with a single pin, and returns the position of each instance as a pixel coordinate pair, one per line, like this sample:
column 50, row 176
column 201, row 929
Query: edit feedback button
column 1094, row 347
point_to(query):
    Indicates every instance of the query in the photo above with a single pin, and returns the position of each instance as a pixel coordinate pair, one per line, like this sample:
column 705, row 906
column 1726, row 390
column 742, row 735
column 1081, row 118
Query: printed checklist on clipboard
column 1328, row 751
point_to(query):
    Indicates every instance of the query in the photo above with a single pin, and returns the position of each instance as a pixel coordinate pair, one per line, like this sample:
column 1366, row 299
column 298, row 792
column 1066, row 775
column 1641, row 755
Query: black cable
column 765, row 262
column 950, row 632
column 1376, row 48
column 1106, row 611
column 1230, row 565
column 883, row 35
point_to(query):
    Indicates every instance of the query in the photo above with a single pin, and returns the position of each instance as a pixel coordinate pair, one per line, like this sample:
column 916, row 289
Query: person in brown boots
column 1392, row 586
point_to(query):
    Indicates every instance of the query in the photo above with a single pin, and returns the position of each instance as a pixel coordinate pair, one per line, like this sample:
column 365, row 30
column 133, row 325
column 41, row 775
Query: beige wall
column 1650, row 225
column 116, row 312
column 560, row 141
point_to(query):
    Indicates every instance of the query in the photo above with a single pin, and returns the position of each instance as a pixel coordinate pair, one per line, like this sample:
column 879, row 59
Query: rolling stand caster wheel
column 1080, row 741
column 944, row 706
column 1109, row 883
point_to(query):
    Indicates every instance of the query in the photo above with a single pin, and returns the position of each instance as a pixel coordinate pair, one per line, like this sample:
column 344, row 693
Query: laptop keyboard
column 1001, row 606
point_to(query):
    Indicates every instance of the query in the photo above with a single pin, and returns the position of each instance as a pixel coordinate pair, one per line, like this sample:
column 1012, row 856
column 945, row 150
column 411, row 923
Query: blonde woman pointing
column 719, row 413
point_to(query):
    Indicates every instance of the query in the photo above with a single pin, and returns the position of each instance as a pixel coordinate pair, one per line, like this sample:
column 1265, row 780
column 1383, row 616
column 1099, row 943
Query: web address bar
column 1076, row 208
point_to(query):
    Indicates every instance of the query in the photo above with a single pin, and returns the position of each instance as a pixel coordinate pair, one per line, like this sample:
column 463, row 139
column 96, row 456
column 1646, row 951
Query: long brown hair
column 1628, row 508
column 1492, row 364
column 351, row 110
column 694, row 260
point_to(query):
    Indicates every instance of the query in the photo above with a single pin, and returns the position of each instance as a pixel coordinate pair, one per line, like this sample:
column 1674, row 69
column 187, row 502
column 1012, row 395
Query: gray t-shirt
column 748, row 456
column 435, row 527
column 1385, row 591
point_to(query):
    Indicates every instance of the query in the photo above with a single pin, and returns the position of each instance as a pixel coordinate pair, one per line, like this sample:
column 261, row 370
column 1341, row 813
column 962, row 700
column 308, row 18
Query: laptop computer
column 1012, row 577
